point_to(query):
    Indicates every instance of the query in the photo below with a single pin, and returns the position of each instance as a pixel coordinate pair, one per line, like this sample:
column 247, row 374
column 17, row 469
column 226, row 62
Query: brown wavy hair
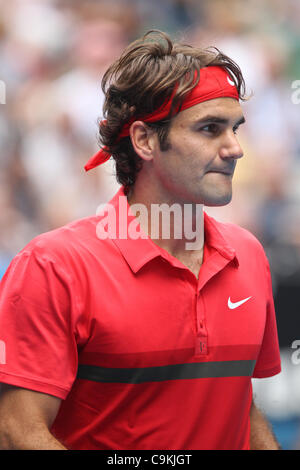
column 140, row 80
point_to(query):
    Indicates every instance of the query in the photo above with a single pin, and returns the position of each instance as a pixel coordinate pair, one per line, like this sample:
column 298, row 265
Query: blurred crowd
column 53, row 54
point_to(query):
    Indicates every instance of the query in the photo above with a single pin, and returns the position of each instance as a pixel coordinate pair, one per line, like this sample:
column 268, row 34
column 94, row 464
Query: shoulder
column 239, row 238
column 66, row 243
column 238, row 234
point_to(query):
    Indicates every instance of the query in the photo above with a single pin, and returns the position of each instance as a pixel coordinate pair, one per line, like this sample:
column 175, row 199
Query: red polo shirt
column 143, row 354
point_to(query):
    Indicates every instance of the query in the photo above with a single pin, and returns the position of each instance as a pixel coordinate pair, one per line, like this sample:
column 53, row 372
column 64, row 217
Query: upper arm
column 39, row 313
column 26, row 408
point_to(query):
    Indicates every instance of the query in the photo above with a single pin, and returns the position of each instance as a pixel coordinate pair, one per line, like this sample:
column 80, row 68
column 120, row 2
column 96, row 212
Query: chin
column 218, row 201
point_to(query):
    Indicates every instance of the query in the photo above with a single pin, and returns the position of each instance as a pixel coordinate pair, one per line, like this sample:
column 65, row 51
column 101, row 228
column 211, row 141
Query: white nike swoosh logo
column 233, row 305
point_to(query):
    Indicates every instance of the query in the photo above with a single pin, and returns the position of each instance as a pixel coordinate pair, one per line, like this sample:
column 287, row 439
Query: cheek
column 168, row 168
column 187, row 159
column 171, row 171
column 178, row 172
column 193, row 157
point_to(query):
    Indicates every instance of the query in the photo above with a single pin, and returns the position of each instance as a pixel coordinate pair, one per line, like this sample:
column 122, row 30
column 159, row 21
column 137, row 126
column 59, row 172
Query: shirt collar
column 138, row 252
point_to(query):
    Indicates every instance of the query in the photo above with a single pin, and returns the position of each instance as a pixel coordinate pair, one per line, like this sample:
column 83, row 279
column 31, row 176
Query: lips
column 223, row 172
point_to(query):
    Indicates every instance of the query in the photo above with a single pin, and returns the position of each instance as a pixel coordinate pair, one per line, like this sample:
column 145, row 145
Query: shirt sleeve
column 268, row 362
column 37, row 311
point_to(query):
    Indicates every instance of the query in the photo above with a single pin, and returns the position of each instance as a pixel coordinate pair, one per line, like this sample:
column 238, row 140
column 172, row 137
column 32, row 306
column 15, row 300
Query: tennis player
column 115, row 336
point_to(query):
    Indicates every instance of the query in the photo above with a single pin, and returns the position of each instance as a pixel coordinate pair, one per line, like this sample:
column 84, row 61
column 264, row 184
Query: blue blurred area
column 279, row 399
column 287, row 432
column 53, row 55
column 4, row 263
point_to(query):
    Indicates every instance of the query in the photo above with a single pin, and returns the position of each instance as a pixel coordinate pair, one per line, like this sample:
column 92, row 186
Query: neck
column 175, row 225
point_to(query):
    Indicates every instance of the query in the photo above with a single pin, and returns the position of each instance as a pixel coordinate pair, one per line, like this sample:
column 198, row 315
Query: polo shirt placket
column 217, row 255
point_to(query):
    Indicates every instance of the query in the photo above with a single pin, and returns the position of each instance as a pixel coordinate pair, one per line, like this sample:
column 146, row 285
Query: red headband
column 214, row 82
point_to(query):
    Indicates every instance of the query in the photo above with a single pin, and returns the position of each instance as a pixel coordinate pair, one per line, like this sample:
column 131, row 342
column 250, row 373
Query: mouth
column 227, row 173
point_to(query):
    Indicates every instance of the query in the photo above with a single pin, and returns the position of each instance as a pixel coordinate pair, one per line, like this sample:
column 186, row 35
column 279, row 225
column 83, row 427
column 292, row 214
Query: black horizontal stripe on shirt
column 195, row 370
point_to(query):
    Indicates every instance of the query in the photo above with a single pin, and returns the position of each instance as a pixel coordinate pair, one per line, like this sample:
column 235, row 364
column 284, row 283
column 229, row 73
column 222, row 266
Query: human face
column 199, row 164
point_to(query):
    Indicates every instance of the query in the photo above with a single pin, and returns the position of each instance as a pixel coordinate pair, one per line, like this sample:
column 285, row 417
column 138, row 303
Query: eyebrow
column 219, row 120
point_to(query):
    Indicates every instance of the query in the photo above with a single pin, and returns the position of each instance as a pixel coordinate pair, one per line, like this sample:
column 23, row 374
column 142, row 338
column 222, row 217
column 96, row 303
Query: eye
column 211, row 128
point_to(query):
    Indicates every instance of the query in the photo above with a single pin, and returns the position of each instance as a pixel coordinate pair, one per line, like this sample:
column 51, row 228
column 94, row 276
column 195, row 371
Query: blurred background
column 52, row 57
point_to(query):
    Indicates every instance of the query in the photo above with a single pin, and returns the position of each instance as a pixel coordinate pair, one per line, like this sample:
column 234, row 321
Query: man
column 118, row 337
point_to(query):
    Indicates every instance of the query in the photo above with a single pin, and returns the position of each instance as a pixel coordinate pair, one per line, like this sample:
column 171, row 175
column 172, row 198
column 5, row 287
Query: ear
column 143, row 140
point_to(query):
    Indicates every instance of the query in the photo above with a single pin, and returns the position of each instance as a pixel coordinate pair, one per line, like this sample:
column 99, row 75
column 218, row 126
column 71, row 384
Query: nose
column 230, row 147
